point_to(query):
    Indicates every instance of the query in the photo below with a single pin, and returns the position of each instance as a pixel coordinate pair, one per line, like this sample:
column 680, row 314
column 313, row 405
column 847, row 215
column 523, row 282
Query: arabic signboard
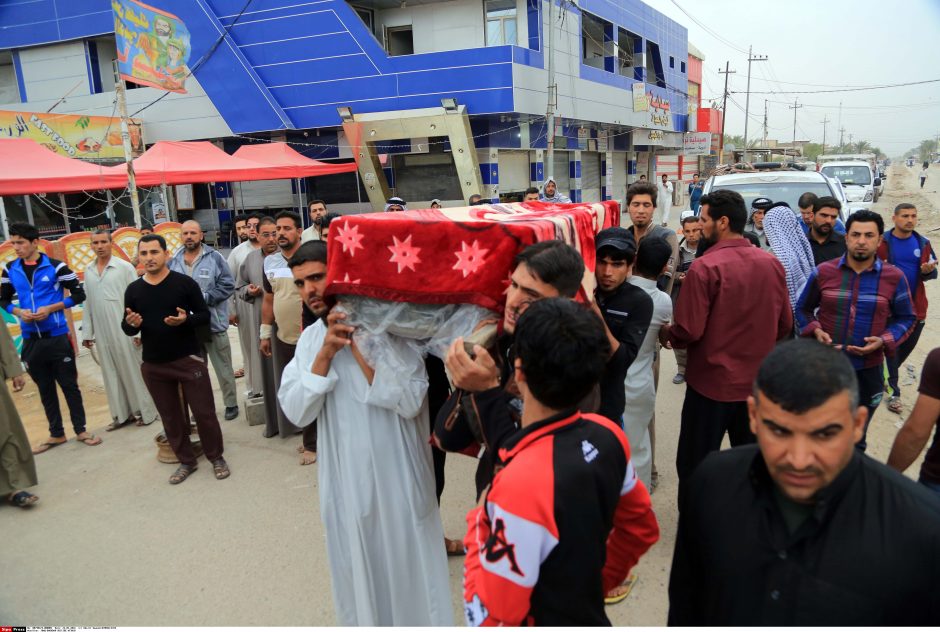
column 72, row 135
column 640, row 102
column 153, row 46
column 697, row 144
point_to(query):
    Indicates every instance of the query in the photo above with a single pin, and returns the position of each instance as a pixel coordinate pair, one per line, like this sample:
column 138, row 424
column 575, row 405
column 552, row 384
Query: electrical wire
column 882, row 87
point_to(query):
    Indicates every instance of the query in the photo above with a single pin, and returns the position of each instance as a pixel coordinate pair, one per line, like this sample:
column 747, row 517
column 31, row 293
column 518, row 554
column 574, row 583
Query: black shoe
column 231, row 412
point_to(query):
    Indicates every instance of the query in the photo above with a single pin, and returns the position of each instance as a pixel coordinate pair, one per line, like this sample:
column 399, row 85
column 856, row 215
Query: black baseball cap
column 618, row 238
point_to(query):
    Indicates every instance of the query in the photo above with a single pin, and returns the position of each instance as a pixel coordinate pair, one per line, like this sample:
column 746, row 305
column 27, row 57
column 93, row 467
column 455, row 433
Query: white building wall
column 50, row 72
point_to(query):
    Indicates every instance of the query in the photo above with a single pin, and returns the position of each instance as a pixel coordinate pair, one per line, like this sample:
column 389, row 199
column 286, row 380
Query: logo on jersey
column 497, row 547
column 475, row 612
column 589, row 451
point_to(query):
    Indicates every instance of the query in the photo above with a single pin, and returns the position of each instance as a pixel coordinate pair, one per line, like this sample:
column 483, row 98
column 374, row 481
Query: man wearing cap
column 755, row 222
column 550, row 193
column 394, row 204
column 435, row 203
column 626, row 310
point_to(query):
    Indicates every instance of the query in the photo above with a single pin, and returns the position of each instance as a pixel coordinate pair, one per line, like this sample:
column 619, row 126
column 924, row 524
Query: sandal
column 454, row 548
column 308, row 458
column 220, row 468
column 182, row 473
column 895, row 405
column 115, row 425
column 88, row 439
column 23, row 499
column 239, row 373
column 619, row 593
column 48, row 445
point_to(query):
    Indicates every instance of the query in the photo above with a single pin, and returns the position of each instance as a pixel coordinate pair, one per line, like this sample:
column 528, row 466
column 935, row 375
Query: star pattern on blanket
column 469, row 258
column 349, row 238
column 346, row 279
column 404, row 254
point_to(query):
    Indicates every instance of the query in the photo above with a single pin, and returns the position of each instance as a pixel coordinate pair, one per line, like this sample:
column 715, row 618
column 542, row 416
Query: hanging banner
column 153, row 46
column 697, row 144
column 72, row 135
column 640, row 102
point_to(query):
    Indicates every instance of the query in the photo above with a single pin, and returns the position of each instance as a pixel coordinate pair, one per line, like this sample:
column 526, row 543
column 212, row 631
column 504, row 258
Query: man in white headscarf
column 394, row 204
column 550, row 193
column 789, row 244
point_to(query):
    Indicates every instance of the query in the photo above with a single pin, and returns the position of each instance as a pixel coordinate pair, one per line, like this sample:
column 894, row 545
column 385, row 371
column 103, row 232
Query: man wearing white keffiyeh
column 789, row 244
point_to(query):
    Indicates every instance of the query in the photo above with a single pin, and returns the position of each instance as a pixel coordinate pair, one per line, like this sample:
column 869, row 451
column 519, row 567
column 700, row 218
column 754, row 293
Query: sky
column 817, row 45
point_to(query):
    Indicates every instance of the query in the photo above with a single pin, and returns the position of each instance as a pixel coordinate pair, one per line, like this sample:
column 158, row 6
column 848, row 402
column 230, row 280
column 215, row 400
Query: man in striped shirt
column 859, row 304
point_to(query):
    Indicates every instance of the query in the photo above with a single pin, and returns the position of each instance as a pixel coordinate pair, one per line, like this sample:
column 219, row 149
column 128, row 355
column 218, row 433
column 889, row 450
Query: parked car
column 857, row 177
column 780, row 184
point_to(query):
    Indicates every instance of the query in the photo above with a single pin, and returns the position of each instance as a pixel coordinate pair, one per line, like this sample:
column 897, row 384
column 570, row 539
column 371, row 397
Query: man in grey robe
column 239, row 311
column 251, row 277
column 106, row 278
column 17, row 467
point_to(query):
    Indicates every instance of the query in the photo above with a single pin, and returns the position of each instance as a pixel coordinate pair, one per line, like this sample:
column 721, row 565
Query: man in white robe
column 105, row 281
column 376, row 480
column 240, row 311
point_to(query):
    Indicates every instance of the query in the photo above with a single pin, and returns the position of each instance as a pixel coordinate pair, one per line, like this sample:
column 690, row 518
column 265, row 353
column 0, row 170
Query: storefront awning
column 282, row 155
column 28, row 167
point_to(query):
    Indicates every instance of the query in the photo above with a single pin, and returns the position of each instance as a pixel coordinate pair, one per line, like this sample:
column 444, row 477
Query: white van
column 857, row 178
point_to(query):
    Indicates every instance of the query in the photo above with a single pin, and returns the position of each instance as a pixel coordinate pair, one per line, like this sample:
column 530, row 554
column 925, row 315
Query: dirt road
column 112, row 543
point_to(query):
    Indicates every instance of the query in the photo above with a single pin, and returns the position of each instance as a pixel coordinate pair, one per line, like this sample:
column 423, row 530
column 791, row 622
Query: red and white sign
column 696, row 144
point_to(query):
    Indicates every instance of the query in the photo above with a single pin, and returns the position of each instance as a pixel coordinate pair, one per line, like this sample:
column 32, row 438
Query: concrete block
column 254, row 411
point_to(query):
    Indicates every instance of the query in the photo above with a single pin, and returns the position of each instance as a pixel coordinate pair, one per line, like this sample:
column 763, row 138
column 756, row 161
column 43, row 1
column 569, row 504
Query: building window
column 9, row 90
column 501, row 23
column 682, row 66
column 672, row 62
column 592, row 41
column 654, row 65
column 399, row 40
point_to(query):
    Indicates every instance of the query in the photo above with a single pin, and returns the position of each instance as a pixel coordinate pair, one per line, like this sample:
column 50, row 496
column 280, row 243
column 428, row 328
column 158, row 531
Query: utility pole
column 747, row 99
column 765, row 123
column 552, row 93
column 794, row 107
column 724, row 109
column 850, row 143
column 841, row 135
column 121, row 94
column 825, row 121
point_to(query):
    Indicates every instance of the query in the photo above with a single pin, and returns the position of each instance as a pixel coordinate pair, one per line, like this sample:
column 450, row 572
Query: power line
column 708, row 30
column 892, row 85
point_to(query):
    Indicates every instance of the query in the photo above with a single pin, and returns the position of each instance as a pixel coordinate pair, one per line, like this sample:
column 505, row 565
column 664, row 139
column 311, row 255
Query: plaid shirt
column 851, row 307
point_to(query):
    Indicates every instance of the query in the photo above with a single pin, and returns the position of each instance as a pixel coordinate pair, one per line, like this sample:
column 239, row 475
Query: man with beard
column 551, row 194
column 860, row 305
column 376, row 480
column 238, row 310
column 807, row 204
column 167, row 308
column 106, row 279
column 823, row 239
column 724, row 350
column 282, row 317
column 208, row 268
column 755, row 223
column 241, row 228
column 641, row 204
column 251, row 294
column 802, row 529
column 317, row 229
column 485, row 407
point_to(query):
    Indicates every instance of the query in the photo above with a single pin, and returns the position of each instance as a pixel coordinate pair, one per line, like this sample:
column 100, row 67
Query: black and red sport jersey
column 564, row 522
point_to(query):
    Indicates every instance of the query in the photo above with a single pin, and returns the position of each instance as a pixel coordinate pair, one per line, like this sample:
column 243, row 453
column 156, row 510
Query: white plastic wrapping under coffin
column 382, row 325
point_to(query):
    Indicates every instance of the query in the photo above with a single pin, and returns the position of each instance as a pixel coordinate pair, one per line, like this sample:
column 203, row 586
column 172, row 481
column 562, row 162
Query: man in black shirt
column 626, row 310
column 823, row 239
column 803, row 529
column 168, row 310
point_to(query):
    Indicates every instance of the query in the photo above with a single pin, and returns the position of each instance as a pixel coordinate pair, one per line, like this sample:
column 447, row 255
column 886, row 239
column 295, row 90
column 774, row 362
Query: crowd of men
column 786, row 336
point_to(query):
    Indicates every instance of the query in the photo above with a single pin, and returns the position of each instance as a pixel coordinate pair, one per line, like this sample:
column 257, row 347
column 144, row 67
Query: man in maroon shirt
column 734, row 308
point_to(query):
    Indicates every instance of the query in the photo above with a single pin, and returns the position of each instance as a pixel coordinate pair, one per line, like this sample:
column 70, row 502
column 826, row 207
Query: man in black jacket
column 626, row 310
column 803, row 529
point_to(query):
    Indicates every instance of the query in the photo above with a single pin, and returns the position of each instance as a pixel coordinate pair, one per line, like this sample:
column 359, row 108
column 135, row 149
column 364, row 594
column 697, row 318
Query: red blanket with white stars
column 454, row 255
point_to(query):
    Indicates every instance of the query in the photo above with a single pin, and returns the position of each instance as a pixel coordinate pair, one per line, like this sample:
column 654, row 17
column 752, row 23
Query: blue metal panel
column 18, row 71
column 533, row 58
column 339, row 92
column 455, row 79
column 332, row 44
column 91, row 63
column 287, row 27
column 323, row 71
column 534, row 21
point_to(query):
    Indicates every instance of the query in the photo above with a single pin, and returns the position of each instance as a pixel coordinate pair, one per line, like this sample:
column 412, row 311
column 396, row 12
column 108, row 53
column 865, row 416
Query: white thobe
column 377, row 500
column 120, row 359
column 640, row 386
column 665, row 200
column 251, row 355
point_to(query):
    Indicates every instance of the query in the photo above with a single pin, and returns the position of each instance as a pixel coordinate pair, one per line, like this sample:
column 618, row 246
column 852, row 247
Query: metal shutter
column 560, row 172
column 590, row 176
column 620, row 177
column 513, row 171
column 261, row 194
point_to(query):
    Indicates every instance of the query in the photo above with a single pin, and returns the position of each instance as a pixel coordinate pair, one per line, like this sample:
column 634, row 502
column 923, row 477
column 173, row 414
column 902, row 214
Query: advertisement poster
column 72, row 135
column 697, row 144
column 640, row 102
column 153, row 46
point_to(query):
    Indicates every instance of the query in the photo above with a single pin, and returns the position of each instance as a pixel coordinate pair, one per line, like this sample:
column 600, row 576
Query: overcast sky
column 815, row 45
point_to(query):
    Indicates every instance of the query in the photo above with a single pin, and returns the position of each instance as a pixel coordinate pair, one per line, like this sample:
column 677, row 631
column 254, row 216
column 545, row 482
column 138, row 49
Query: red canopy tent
column 28, row 167
column 189, row 162
column 283, row 155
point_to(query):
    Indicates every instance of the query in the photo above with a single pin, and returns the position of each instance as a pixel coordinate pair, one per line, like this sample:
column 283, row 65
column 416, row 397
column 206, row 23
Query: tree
column 812, row 151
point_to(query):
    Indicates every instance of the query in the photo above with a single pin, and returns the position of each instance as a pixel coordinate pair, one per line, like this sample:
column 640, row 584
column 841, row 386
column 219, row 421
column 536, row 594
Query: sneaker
column 678, row 379
column 231, row 412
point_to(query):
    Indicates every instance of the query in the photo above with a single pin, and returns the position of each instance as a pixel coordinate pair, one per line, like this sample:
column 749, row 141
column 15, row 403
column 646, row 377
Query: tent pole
column 3, row 220
column 121, row 94
column 65, row 214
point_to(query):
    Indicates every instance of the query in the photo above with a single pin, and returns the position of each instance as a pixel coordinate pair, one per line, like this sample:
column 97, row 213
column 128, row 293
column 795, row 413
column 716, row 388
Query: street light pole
column 552, row 91
column 747, row 99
